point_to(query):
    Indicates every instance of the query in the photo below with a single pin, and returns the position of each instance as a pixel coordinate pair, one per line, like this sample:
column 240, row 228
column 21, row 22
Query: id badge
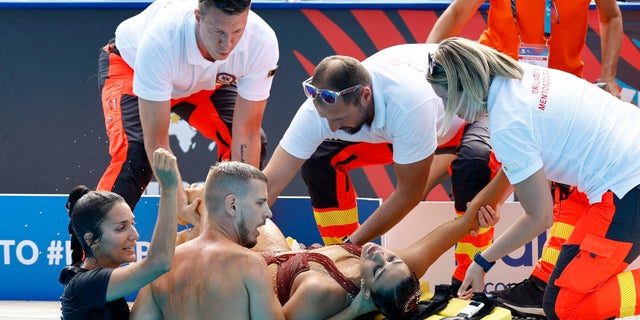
column 536, row 54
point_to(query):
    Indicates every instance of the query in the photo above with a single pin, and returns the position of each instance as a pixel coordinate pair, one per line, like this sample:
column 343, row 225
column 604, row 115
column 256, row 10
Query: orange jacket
column 568, row 30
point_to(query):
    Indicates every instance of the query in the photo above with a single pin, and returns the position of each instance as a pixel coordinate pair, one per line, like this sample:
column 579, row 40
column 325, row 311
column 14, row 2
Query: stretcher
column 455, row 306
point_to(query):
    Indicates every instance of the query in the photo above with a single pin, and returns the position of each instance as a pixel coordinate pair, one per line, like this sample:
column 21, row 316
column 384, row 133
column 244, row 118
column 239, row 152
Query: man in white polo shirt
column 379, row 111
column 210, row 61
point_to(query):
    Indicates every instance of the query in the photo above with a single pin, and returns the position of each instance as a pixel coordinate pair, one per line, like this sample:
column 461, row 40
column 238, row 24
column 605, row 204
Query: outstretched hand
column 166, row 169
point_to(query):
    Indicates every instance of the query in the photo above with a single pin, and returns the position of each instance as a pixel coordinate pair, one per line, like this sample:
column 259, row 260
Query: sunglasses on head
column 328, row 96
column 434, row 67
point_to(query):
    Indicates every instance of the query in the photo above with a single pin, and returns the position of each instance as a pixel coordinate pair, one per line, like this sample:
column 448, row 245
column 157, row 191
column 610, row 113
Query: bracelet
column 346, row 239
column 482, row 262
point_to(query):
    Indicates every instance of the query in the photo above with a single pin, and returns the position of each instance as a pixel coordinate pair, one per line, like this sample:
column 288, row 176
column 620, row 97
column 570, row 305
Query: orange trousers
column 589, row 280
column 129, row 172
column 333, row 197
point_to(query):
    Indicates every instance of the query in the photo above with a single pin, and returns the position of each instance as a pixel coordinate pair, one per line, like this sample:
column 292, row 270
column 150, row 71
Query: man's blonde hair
column 465, row 66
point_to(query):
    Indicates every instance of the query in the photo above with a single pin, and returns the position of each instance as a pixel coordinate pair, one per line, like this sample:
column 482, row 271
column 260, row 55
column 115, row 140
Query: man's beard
column 353, row 130
column 244, row 236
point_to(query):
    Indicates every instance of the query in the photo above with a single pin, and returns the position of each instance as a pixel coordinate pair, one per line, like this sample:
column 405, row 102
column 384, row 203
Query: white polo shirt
column 408, row 113
column 576, row 132
column 160, row 44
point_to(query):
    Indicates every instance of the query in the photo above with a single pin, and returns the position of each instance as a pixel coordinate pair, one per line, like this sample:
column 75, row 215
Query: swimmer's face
column 381, row 268
column 253, row 212
column 118, row 242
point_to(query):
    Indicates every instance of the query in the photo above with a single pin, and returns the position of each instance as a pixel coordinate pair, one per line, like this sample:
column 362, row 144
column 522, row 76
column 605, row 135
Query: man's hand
column 192, row 211
column 610, row 86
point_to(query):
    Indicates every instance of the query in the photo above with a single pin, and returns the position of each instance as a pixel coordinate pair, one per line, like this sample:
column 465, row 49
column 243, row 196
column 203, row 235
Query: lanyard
column 547, row 18
column 549, row 6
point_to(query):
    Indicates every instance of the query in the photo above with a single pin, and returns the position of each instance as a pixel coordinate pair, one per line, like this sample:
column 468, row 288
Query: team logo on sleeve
column 225, row 78
column 511, row 167
column 272, row 73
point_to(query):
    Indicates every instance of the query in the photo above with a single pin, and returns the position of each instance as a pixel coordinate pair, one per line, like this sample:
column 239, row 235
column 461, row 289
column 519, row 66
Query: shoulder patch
column 225, row 78
column 511, row 167
column 272, row 73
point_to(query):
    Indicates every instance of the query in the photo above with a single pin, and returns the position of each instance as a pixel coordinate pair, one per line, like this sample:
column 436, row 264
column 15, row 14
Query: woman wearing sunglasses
column 379, row 111
column 550, row 125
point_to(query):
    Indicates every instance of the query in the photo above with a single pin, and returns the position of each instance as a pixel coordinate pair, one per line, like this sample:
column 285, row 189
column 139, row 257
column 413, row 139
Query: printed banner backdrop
column 53, row 136
column 34, row 242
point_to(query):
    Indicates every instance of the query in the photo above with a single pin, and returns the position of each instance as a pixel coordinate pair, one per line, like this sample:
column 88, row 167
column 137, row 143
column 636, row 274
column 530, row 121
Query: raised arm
column 126, row 280
column 280, row 170
column 247, row 120
column 412, row 179
column 420, row 255
column 611, row 34
column 423, row 253
column 493, row 194
column 154, row 117
column 453, row 19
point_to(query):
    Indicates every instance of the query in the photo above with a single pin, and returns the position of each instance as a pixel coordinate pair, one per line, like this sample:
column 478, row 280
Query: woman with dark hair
column 344, row 281
column 546, row 124
column 104, row 237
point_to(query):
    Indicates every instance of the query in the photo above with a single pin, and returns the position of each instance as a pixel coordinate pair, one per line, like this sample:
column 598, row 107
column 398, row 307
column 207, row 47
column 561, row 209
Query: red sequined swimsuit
column 290, row 265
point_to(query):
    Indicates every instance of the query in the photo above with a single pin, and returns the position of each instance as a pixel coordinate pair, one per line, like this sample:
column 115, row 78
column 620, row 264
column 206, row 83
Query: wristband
column 346, row 239
column 482, row 262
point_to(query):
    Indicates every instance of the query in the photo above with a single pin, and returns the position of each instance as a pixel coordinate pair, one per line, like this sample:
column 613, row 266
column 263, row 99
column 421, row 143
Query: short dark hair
column 230, row 7
column 340, row 72
column 396, row 302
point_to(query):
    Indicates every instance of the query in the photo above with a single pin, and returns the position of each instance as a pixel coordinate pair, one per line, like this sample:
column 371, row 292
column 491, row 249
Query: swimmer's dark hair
column 401, row 301
column 87, row 210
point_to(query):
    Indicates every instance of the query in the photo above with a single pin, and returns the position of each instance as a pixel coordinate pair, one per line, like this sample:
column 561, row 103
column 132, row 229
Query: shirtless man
column 216, row 275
